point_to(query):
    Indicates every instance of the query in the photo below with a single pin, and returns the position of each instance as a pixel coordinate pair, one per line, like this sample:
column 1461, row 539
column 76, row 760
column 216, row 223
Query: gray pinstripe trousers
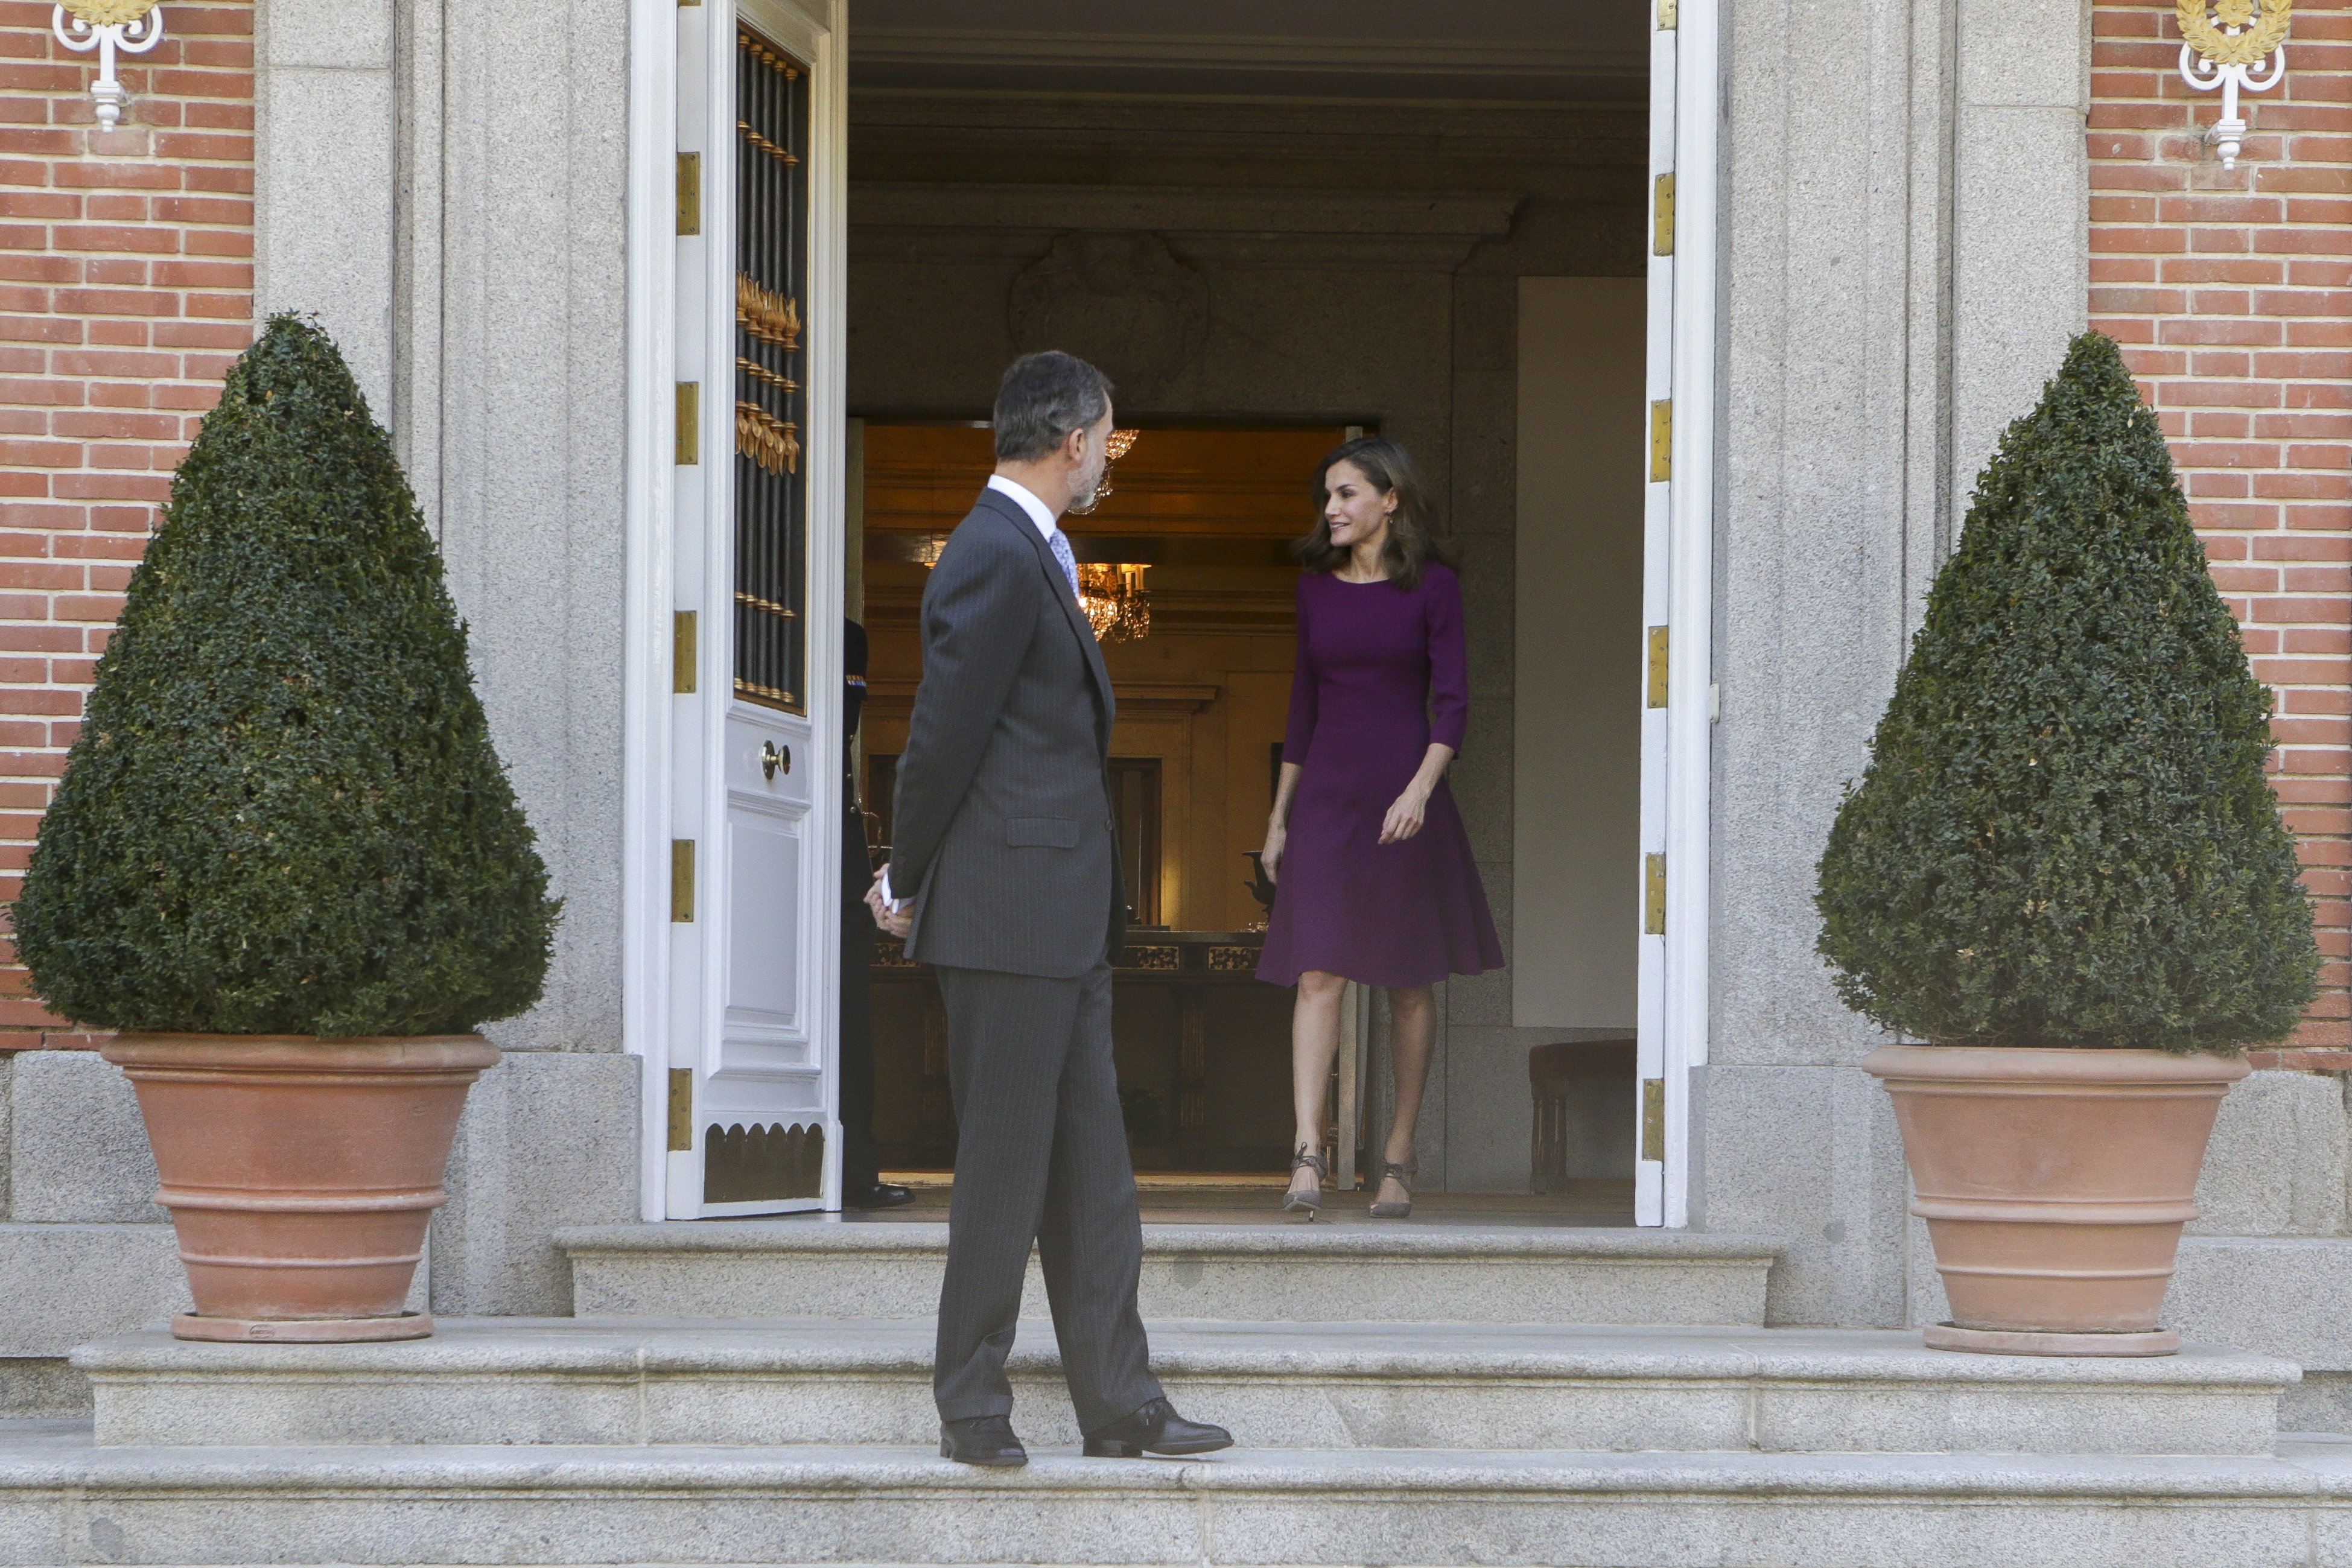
column 1040, row 1153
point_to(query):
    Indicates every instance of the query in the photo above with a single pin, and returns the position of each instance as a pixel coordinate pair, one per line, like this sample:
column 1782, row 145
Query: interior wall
column 1577, row 768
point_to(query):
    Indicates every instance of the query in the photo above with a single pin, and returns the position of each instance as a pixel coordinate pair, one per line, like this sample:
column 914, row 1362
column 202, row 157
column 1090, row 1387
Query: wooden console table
column 1203, row 1049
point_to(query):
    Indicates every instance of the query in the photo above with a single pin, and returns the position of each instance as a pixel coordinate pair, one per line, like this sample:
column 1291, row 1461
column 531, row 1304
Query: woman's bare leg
column 1313, row 1041
column 1413, row 1016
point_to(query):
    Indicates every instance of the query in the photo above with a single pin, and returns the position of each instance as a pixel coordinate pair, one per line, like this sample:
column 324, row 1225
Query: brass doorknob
column 771, row 758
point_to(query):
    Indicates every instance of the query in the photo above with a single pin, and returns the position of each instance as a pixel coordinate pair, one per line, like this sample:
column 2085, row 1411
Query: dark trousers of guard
column 861, row 1163
column 1041, row 1153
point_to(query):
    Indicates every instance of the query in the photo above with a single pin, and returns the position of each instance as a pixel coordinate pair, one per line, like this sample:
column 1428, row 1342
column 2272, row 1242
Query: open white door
column 1678, row 563
column 749, row 1122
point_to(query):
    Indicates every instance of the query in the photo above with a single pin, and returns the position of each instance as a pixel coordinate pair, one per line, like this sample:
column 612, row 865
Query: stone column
column 1903, row 232
column 325, row 129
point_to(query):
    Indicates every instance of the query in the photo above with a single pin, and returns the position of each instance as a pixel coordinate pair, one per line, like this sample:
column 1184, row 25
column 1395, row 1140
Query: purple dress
column 1374, row 659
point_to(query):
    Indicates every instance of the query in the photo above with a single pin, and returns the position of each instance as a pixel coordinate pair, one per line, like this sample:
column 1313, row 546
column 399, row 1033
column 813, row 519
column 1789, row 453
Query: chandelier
column 1117, row 604
column 1113, row 595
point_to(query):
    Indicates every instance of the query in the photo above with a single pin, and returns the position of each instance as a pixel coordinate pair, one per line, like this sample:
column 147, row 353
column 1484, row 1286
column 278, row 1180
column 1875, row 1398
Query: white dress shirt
column 1039, row 514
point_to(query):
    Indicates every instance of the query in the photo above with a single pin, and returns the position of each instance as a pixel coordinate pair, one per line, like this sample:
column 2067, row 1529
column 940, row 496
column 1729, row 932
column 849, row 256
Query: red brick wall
column 2231, row 292
column 126, row 287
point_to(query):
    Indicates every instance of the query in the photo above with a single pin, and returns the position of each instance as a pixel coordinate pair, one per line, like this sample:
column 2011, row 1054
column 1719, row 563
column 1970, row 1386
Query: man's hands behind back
column 896, row 919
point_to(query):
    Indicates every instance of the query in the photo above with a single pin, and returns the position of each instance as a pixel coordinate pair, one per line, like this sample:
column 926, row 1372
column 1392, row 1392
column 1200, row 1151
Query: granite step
column 821, row 1266
column 64, row 1501
column 1335, row 1387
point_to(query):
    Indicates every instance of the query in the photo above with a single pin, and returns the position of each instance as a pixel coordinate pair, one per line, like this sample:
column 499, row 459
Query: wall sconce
column 2227, row 51
column 129, row 26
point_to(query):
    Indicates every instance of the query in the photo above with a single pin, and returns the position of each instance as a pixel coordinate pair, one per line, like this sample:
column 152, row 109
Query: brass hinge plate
column 1662, row 440
column 689, row 193
column 689, row 435
column 681, row 1109
column 1658, row 638
column 1665, row 15
column 1662, row 214
column 1653, row 1118
column 683, row 651
column 1654, row 895
column 681, row 881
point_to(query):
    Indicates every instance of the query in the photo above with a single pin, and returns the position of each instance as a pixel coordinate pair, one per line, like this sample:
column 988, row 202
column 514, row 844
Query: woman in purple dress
column 1376, row 882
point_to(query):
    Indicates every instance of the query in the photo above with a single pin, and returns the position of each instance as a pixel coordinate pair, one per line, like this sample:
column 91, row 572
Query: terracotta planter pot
column 2054, row 1185
column 300, row 1173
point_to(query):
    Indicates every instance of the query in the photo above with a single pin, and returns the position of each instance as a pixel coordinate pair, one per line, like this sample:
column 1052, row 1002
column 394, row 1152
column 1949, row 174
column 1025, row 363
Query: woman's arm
column 1306, row 693
column 1449, row 694
column 1277, row 824
column 1295, row 738
column 1449, row 660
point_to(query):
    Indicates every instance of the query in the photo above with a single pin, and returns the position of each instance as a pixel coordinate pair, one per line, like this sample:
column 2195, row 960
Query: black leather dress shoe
column 876, row 1195
column 981, row 1440
column 1155, row 1430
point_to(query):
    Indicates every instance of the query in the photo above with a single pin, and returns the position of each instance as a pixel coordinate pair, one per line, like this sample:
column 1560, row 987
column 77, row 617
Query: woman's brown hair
column 1411, row 527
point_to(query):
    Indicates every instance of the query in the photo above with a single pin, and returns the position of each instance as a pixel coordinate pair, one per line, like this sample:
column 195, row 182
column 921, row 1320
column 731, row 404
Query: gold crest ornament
column 2237, row 34
column 110, row 13
column 2240, row 46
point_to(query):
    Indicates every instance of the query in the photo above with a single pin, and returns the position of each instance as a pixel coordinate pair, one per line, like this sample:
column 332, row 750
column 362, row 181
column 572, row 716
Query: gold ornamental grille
column 771, row 274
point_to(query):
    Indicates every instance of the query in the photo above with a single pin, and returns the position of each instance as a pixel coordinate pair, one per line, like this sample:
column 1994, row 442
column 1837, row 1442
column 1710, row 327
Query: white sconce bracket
column 2241, row 46
column 110, row 26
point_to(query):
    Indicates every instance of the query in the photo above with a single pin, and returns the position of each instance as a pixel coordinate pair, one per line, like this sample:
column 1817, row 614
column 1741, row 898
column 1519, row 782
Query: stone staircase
column 739, row 1392
column 1306, row 1273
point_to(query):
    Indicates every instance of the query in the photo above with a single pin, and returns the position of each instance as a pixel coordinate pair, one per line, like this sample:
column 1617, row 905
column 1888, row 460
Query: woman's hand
column 1404, row 817
column 1277, row 836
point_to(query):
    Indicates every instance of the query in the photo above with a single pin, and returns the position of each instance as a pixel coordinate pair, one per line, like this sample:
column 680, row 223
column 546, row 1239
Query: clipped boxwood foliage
column 283, row 813
column 2064, row 836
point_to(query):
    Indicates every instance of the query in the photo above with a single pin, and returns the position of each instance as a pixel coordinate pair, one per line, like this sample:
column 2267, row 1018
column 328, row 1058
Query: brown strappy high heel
column 1312, row 1199
column 1396, row 1210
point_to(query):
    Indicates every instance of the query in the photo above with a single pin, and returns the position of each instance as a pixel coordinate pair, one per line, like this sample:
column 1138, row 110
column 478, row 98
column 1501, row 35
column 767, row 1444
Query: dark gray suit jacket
column 1001, row 824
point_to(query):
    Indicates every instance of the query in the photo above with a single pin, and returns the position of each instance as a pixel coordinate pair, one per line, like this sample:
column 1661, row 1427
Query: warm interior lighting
column 1115, row 446
column 1113, row 595
column 1116, row 601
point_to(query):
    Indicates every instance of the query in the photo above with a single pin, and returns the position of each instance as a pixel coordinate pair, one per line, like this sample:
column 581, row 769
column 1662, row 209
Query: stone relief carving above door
column 1124, row 301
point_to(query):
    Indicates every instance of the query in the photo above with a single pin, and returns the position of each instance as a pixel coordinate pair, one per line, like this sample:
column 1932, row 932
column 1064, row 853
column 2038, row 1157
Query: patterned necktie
column 1061, row 547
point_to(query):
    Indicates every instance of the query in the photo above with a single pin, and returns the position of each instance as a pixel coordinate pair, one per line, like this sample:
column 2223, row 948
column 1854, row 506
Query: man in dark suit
column 1004, row 877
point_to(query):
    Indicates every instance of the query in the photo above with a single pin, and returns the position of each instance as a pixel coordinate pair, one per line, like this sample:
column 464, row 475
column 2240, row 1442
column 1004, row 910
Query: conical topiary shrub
column 283, row 814
column 2064, row 836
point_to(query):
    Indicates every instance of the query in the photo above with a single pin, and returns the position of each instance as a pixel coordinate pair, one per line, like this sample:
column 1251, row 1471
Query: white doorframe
column 654, row 1010
column 650, row 441
column 1678, row 596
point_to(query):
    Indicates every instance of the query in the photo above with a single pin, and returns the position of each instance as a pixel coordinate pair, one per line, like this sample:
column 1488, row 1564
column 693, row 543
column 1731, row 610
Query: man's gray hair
column 1041, row 399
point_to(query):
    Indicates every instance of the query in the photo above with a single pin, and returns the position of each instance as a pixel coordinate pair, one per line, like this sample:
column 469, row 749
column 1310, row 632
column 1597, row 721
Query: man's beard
column 1083, row 502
